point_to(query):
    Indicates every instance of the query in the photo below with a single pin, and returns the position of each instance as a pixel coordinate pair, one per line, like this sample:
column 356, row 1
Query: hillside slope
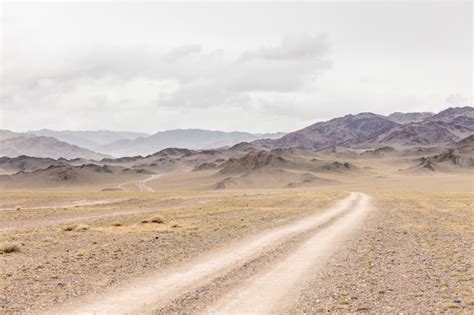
column 17, row 144
column 183, row 138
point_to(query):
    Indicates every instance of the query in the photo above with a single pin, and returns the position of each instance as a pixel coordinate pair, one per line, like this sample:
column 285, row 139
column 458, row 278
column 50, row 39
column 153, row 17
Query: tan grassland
column 411, row 253
column 57, row 263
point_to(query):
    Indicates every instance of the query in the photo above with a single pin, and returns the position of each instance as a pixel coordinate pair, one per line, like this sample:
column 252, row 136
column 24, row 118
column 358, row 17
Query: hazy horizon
column 184, row 128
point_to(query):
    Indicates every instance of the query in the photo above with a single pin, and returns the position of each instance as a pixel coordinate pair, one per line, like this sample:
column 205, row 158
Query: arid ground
column 308, row 191
column 294, row 250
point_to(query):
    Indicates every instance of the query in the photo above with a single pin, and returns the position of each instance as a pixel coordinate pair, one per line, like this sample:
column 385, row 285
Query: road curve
column 145, row 294
column 141, row 184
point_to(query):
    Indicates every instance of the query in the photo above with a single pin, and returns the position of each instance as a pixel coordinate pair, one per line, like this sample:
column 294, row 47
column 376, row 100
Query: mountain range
column 324, row 154
column 366, row 130
column 181, row 138
column 91, row 140
column 13, row 144
column 360, row 131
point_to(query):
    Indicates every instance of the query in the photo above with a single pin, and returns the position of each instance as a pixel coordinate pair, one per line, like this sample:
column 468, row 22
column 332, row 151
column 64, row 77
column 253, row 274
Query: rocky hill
column 17, row 144
column 446, row 127
column 253, row 161
column 25, row 163
column 343, row 131
column 405, row 118
column 371, row 130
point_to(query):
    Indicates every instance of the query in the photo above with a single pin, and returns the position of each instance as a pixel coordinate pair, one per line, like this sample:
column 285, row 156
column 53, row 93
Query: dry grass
column 6, row 248
column 195, row 223
column 81, row 227
column 155, row 219
column 68, row 228
column 75, row 227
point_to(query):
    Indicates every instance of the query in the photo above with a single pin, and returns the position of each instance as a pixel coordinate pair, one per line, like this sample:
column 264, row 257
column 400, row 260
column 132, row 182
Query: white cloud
column 184, row 76
column 256, row 67
column 295, row 47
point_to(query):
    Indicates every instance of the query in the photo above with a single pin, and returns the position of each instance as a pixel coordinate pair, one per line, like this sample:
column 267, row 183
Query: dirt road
column 153, row 292
column 283, row 279
column 140, row 184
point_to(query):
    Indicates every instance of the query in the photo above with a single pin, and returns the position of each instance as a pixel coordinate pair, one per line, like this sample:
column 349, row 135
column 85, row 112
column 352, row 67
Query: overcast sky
column 229, row 66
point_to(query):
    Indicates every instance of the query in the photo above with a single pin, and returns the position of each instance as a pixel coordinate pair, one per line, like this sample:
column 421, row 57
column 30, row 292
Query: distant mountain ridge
column 405, row 118
column 446, row 127
column 360, row 131
column 183, row 138
column 372, row 130
column 89, row 139
column 347, row 130
column 14, row 144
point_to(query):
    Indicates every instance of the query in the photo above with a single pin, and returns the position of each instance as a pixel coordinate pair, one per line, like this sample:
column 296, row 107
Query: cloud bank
column 252, row 67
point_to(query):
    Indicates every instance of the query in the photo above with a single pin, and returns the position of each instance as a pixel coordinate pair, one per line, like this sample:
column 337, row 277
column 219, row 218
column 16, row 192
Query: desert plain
column 366, row 234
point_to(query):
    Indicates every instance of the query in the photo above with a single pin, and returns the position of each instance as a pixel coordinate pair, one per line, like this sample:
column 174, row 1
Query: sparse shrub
column 18, row 208
column 6, row 248
column 175, row 226
column 81, row 227
column 68, row 228
column 116, row 223
column 76, row 227
column 157, row 219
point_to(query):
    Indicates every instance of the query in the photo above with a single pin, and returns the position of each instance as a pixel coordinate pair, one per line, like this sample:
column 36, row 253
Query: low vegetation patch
column 81, row 227
column 6, row 248
column 75, row 227
column 155, row 219
column 68, row 228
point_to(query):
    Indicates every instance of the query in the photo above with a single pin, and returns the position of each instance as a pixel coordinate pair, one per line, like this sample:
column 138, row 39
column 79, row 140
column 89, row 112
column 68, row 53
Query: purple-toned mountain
column 453, row 114
column 344, row 131
column 14, row 144
column 446, row 127
column 368, row 129
column 405, row 118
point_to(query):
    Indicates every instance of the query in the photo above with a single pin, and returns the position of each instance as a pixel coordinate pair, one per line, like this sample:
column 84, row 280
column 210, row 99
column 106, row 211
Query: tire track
column 289, row 275
column 145, row 294
column 141, row 184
